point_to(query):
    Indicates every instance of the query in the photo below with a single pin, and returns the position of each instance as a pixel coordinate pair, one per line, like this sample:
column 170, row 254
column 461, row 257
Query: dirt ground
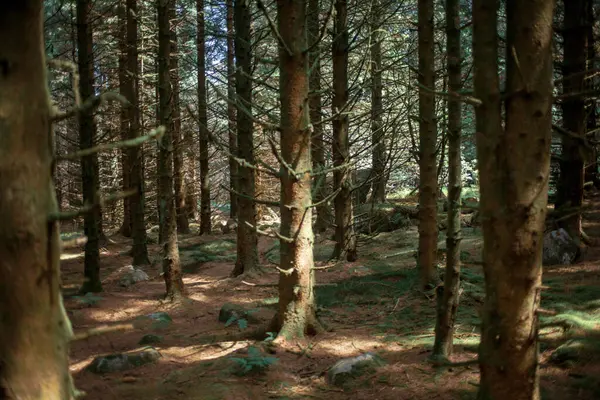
column 372, row 305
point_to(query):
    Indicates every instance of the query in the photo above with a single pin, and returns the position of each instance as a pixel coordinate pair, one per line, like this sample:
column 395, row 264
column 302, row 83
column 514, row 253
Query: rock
column 160, row 320
column 123, row 361
column 150, row 339
column 559, row 248
column 349, row 368
column 570, row 352
column 229, row 226
column 229, row 311
column 132, row 275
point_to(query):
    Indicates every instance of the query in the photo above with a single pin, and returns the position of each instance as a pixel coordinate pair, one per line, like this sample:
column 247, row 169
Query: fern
column 254, row 362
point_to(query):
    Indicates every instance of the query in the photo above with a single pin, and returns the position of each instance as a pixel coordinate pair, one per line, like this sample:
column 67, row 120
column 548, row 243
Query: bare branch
column 257, row 201
column 69, row 215
column 461, row 97
column 90, row 104
column 322, row 34
column 288, row 167
column 275, row 235
column 261, row 6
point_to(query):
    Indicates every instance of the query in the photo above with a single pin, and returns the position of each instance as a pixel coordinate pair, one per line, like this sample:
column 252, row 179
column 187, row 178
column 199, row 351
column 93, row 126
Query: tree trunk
column 448, row 294
column 296, row 311
column 183, row 225
column 134, row 154
column 231, row 114
column 35, row 331
column 87, row 138
column 591, row 171
column 124, row 123
column 205, row 224
column 345, row 239
column 168, row 225
column 427, row 144
column 318, row 150
column 377, row 132
column 569, row 194
column 247, row 240
column 514, row 167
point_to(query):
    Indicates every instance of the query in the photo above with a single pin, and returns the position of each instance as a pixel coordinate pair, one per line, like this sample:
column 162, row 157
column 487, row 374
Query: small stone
column 123, row 361
column 559, row 248
column 132, row 275
column 347, row 369
column 150, row 339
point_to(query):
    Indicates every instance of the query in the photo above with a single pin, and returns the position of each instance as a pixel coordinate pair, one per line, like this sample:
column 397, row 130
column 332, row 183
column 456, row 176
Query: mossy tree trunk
column 345, row 238
column 134, row 154
column 377, row 128
column 448, row 294
column 35, row 332
column 296, row 311
column 247, row 239
column 168, row 224
column 231, row 114
column 570, row 185
column 87, row 138
column 427, row 145
column 205, row 223
column 514, row 167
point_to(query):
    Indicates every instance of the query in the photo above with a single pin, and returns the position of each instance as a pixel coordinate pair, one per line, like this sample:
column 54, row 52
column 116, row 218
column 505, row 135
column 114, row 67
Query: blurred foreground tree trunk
column 514, row 164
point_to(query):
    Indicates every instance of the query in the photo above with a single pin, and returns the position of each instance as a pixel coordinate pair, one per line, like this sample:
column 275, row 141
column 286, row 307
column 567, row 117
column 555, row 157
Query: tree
column 448, row 294
column 315, row 103
column 513, row 164
column 345, row 239
column 171, row 265
column 247, row 239
column 126, row 227
column 296, row 310
column 205, row 224
column 377, row 132
column 87, row 138
column 231, row 114
column 591, row 171
column 35, row 330
column 427, row 145
column 135, row 172
column 570, row 185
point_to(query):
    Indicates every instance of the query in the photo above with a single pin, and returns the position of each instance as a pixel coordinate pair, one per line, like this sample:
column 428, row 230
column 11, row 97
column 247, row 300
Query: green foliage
column 241, row 322
column 255, row 362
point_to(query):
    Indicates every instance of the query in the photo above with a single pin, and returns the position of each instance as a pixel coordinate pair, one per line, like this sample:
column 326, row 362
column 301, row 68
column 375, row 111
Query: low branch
column 275, row 235
column 326, row 199
column 89, row 105
column 279, row 158
column 257, row 201
column 587, row 143
column 69, row 215
column 457, row 96
column 156, row 133
column 101, row 330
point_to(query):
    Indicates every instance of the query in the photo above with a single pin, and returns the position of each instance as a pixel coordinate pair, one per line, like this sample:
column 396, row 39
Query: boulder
column 559, row 248
column 348, row 369
column 230, row 312
column 123, row 361
column 132, row 275
column 229, row 226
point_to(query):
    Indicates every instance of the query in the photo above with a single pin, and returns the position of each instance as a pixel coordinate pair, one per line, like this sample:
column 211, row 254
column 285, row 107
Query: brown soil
column 197, row 348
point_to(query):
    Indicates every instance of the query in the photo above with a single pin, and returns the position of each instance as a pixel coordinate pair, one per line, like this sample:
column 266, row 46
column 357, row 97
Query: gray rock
column 160, row 320
column 559, row 248
column 123, row 361
column 132, row 275
column 348, row 369
column 229, row 311
column 150, row 339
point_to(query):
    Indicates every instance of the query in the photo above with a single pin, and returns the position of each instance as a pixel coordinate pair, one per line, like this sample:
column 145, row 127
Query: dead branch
column 275, row 235
column 288, row 167
column 101, row 330
column 89, row 105
column 255, row 200
column 282, row 42
column 69, row 215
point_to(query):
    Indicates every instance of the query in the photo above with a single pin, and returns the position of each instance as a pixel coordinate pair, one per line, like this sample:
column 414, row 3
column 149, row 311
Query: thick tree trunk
column 183, row 225
column 87, row 138
column 168, row 225
column 448, row 294
column 35, row 331
column 296, row 312
column 205, row 224
column 569, row 194
column 514, row 167
column 126, row 227
column 377, row 132
column 231, row 114
column 345, row 239
column 318, row 150
column 247, row 240
column 427, row 143
column 591, row 170
column 134, row 154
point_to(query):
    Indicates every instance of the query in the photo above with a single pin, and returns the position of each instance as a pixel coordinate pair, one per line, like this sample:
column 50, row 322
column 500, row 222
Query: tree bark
column 205, row 224
column 296, row 311
column 231, row 112
column 318, row 147
column 427, row 144
column 247, row 240
column 345, row 239
column 35, row 331
column 134, row 154
column 168, row 225
column 183, row 225
column 448, row 294
column 591, row 170
column 87, row 138
column 514, row 167
column 377, row 129
column 569, row 194
column 126, row 227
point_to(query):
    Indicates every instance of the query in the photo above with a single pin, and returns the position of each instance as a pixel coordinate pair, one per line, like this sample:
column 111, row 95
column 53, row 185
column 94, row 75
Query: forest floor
column 372, row 305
